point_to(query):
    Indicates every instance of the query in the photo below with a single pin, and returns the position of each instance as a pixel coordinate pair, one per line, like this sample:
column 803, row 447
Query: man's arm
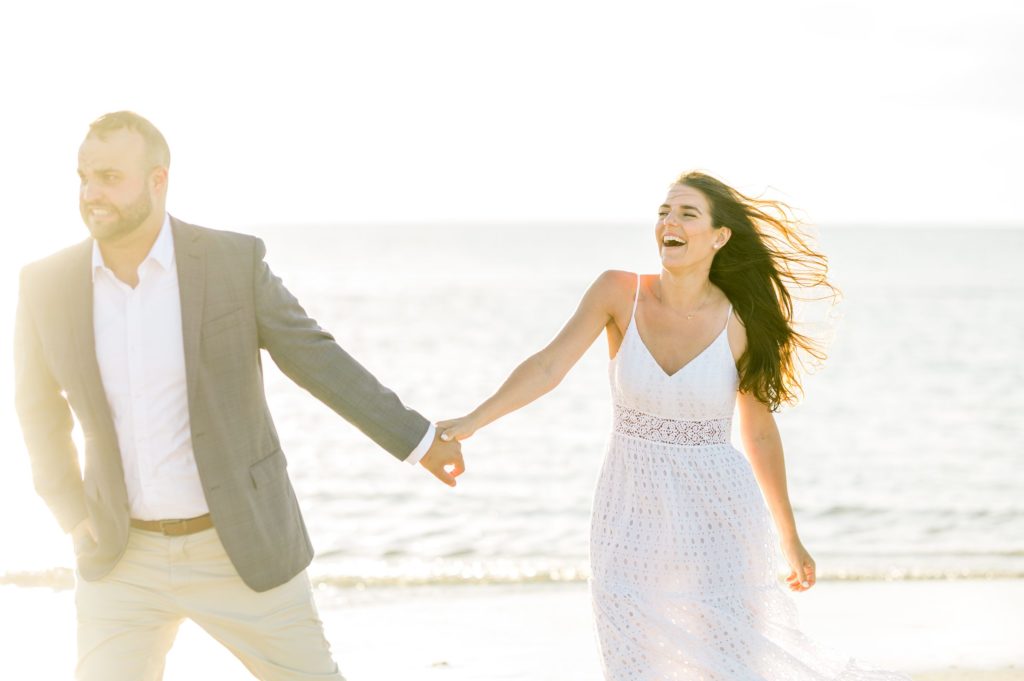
column 310, row 356
column 45, row 422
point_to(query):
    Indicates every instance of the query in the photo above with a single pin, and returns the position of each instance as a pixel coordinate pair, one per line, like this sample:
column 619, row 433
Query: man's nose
column 89, row 191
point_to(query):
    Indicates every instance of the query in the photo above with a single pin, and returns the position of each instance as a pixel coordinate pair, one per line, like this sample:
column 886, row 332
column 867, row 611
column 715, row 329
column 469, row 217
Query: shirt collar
column 162, row 251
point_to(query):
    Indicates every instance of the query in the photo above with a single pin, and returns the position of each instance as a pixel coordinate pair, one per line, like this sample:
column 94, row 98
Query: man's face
column 117, row 191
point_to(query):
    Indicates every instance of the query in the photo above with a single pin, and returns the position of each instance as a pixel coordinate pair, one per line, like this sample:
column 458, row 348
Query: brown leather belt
column 175, row 528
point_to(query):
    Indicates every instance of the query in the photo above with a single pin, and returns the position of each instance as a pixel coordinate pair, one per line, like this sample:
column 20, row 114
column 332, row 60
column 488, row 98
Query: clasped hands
column 444, row 458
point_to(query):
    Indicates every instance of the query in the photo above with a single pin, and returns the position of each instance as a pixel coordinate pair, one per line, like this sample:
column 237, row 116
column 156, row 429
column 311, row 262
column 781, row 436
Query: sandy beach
column 968, row 630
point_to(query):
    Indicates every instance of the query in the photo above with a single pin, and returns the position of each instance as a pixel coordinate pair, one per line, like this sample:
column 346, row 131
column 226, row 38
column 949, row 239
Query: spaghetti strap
column 636, row 299
column 727, row 318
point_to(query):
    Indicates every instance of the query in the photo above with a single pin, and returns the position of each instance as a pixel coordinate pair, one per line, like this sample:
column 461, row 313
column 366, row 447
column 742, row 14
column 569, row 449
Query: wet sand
column 937, row 631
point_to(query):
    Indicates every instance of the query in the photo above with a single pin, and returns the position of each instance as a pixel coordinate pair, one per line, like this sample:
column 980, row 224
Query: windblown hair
column 157, row 151
column 767, row 259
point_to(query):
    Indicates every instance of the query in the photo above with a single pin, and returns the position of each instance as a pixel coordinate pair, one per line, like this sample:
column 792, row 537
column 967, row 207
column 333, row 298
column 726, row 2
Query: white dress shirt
column 141, row 357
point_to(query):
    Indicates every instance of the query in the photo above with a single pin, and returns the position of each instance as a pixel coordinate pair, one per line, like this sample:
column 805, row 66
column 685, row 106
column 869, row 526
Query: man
column 150, row 332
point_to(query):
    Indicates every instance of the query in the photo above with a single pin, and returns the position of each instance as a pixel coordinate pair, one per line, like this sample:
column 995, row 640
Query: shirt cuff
column 422, row 447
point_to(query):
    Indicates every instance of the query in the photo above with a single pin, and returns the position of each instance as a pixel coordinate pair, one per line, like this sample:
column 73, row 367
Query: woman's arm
column 542, row 371
column 763, row 445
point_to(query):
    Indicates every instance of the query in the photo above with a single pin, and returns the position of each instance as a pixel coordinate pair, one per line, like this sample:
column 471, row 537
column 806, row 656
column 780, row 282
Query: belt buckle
column 165, row 523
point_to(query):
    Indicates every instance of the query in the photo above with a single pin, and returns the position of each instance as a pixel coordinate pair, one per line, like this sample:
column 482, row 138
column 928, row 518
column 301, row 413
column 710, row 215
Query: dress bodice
column 703, row 389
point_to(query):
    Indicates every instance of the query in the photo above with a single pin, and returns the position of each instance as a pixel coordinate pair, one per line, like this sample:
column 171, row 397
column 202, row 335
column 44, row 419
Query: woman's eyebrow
column 684, row 207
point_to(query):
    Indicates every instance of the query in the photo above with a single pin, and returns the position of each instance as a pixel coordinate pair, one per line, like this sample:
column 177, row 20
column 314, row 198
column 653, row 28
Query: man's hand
column 444, row 460
column 83, row 535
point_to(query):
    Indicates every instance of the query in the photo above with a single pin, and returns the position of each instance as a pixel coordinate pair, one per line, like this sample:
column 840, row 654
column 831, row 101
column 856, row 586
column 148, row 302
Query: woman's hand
column 800, row 562
column 457, row 429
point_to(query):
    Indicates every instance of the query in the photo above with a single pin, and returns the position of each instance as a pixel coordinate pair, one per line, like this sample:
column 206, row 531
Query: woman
column 684, row 577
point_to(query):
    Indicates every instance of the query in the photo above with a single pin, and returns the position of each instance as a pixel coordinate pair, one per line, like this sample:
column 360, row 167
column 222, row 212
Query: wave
column 859, row 511
column 925, row 553
column 61, row 579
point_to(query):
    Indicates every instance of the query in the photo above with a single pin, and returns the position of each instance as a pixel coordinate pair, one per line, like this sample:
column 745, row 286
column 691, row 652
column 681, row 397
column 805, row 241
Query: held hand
column 444, row 459
column 83, row 535
column 457, row 429
column 800, row 562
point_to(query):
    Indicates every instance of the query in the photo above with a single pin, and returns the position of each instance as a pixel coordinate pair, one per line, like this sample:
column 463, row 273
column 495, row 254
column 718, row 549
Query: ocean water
column 905, row 459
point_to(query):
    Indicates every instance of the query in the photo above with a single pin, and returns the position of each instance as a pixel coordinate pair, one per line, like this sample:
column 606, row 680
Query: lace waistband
column 671, row 431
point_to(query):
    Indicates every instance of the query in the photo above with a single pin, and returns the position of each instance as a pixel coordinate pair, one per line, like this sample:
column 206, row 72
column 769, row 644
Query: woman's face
column 684, row 232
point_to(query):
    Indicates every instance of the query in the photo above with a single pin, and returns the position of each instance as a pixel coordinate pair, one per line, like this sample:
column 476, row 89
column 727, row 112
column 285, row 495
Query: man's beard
column 128, row 218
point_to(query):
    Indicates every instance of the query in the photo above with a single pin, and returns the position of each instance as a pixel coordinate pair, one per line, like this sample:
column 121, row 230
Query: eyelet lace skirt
column 686, row 584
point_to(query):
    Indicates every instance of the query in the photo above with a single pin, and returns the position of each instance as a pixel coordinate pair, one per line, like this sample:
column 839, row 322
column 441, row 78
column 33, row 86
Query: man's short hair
column 156, row 146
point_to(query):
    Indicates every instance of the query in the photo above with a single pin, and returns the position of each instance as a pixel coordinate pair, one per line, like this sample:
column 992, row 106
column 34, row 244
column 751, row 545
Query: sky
column 419, row 112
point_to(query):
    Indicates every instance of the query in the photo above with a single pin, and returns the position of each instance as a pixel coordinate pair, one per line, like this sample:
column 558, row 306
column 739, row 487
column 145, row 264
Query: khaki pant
column 127, row 621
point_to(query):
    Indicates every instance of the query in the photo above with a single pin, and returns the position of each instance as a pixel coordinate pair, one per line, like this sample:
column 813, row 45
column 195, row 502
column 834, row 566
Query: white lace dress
column 685, row 580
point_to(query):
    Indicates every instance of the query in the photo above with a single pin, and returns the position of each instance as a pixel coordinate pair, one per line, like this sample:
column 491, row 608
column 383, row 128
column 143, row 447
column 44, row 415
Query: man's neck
column 123, row 256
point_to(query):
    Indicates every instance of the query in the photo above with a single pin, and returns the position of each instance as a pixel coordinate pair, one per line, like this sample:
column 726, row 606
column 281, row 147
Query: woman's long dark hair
column 767, row 255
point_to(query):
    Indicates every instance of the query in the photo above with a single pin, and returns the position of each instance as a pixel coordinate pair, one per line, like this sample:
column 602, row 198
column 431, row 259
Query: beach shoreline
column 956, row 630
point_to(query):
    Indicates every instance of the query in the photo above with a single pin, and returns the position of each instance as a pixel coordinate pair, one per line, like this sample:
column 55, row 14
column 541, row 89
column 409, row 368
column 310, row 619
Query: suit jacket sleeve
column 310, row 356
column 45, row 421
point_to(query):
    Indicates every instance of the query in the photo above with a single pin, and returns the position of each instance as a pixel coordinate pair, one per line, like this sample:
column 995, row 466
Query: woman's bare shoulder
column 617, row 279
column 612, row 292
column 613, row 286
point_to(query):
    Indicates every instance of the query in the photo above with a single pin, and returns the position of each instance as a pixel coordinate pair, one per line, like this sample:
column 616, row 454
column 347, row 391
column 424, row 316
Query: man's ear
column 158, row 180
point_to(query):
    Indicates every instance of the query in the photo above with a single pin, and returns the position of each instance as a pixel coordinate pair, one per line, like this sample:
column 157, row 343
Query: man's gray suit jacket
column 231, row 307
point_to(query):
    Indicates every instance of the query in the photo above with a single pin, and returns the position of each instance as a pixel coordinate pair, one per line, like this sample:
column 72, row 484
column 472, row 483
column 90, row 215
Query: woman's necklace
column 693, row 313
column 704, row 302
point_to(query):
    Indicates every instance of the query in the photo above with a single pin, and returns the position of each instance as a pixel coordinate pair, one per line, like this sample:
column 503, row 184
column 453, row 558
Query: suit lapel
column 80, row 314
column 190, row 259
column 83, row 332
